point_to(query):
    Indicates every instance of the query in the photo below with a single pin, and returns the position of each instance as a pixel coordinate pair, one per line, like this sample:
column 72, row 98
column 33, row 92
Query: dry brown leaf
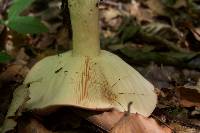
column 159, row 8
column 196, row 33
column 13, row 71
column 188, row 97
column 136, row 123
column 106, row 120
column 33, row 126
column 20, row 97
column 111, row 16
column 182, row 129
column 118, row 122
column 141, row 14
column 110, row 13
column 180, row 3
column 156, row 6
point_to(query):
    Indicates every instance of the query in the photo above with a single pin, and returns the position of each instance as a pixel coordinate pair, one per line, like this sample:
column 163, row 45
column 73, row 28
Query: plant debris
column 160, row 38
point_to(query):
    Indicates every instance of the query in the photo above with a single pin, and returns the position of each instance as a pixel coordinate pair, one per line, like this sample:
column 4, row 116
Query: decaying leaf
column 33, row 126
column 110, row 13
column 159, row 7
column 189, row 96
column 162, row 30
column 13, row 71
column 156, row 6
column 180, row 3
column 112, row 17
column 21, row 95
column 182, row 129
column 136, row 123
column 118, row 122
column 106, row 120
column 141, row 14
column 196, row 33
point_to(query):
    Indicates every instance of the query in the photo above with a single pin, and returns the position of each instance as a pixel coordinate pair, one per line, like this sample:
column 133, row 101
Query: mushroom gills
column 96, row 83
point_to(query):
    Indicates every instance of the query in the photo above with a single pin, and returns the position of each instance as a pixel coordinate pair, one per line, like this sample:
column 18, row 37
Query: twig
column 182, row 122
column 155, row 117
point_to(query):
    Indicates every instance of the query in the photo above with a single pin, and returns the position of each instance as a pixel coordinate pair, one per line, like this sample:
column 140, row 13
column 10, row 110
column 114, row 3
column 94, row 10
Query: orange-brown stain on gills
column 85, row 80
column 91, row 77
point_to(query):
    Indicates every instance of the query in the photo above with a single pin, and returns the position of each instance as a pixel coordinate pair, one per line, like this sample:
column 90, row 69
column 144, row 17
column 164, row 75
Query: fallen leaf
column 14, row 71
column 188, row 97
column 136, row 123
column 196, row 33
column 112, row 17
column 110, row 13
column 196, row 111
column 118, row 122
column 20, row 97
column 180, row 3
column 156, row 6
column 32, row 126
column 183, row 129
column 106, row 120
column 163, row 30
column 141, row 14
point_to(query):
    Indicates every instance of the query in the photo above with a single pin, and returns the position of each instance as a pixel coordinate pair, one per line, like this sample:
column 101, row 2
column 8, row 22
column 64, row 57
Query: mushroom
column 87, row 77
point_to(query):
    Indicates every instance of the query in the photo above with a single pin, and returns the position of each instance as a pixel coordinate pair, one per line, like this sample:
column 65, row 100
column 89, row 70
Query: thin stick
column 162, row 122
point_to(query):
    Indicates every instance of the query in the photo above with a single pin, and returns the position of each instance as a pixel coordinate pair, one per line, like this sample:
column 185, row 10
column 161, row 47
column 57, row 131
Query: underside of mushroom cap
column 96, row 83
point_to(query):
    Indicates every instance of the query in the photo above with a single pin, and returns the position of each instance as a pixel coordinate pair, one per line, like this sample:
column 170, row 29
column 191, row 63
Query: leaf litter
column 177, row 86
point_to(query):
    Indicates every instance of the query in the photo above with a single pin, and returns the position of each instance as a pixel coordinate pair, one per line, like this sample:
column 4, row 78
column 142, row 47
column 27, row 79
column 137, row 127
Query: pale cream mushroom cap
column 96, row 83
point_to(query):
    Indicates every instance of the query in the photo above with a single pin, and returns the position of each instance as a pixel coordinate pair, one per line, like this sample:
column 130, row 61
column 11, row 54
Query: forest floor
column 159, row 39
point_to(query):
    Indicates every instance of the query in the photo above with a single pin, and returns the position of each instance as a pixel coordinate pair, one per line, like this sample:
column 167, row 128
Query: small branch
column 157, row 118
column 183, row 122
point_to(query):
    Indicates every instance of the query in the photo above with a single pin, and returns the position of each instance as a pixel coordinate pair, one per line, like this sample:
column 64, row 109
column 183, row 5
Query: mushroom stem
column 84, row 17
